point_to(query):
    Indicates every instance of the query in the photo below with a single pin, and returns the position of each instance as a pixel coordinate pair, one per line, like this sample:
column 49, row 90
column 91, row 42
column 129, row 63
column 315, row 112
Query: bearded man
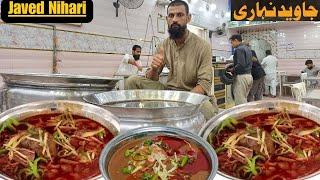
column 188, row 58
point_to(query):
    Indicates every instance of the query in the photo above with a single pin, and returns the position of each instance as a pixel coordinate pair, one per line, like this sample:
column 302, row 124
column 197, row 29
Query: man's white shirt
column 127, row 69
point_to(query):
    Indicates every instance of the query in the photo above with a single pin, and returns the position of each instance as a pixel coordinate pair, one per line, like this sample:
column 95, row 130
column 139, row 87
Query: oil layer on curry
column 51, row 146
column 159, row 158
column 267, row 146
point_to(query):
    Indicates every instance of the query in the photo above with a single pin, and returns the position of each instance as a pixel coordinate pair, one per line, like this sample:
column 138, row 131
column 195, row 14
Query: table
column 312, row 82
column 312, row 78
column 312, row 97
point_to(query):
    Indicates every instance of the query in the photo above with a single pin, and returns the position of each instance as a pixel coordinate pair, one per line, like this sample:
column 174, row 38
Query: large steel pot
column 238, row 112
column 100, row 115
column 139, row 133
column 138, row 108
column 26, row 88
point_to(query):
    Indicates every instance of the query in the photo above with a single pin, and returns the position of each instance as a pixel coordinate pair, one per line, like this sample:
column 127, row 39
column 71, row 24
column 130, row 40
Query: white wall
column 298, row 44
column 95, row 48
column 105, row 20
column 23, row 45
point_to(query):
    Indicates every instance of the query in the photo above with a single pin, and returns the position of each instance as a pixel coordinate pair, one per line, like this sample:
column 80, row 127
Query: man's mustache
column 175, row 25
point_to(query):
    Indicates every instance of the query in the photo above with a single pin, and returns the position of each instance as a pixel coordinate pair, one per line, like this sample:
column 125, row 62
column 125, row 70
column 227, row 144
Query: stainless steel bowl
column 148, row 104
column 120, row 140
column 238, row 112
column 90, row 111
column 141, row 108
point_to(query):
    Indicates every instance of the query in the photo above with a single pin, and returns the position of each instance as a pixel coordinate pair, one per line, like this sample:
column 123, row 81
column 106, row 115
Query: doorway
column 260, row 46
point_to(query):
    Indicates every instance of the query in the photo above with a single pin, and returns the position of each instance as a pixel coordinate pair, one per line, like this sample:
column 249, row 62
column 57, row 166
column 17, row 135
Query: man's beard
column 136, row 57
column 177, row 31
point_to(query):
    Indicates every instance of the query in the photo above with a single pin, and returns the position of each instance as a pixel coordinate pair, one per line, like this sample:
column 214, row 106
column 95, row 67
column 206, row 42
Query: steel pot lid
column 58, row 80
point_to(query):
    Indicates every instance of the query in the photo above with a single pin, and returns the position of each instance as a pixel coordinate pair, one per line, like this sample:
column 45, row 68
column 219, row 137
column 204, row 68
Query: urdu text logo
column 275, row 10
column 47, row 11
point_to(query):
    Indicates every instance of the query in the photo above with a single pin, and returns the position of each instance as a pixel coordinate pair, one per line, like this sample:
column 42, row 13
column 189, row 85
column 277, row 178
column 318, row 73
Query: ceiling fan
column 130, row 4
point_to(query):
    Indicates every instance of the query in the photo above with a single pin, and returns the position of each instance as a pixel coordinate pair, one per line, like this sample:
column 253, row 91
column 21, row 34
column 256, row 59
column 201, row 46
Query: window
column 201, row 32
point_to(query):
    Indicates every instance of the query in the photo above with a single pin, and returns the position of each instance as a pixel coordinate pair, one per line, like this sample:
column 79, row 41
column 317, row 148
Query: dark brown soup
column 52, row 146
column 267, row 146
column 159, row 157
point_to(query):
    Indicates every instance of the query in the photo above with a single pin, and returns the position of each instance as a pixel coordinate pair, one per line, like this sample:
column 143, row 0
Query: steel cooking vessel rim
column 10, row 112
column 216, row 120
column 61, row 76
column 194, row 106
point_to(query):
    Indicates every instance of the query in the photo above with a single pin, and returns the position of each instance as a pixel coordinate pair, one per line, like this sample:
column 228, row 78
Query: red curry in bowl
column 52, row 146
column 267, row 146
column 157, row 158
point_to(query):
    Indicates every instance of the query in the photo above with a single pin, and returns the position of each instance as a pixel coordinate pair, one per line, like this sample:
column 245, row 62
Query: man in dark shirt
column 258, row 74
column 242, row 70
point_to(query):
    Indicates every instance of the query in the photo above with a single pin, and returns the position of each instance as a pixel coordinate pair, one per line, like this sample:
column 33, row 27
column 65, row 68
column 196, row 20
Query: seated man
column 187, row 56
column 130, row 65
column 312, row 71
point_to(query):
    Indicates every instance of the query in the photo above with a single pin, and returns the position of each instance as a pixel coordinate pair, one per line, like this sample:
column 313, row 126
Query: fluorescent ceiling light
column 201, row 9
column 213, row 7
column 194, row 27
column 228, row 14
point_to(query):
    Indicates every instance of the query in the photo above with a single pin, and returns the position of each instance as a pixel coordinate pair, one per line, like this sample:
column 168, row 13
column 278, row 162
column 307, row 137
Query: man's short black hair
column 179, row 3
column 236, row 37
column 268, row 52
column 136, row 47
column 309, row 61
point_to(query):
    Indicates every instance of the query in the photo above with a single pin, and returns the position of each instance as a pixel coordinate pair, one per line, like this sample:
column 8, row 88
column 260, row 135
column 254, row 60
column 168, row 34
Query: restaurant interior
column 126, row 97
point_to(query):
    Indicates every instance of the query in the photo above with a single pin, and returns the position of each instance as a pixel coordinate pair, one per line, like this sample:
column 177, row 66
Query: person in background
column 242, row 60
column 311, row 69
column 130, row 64
column 270, row 64
column 258, row 75
column 188, row 58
